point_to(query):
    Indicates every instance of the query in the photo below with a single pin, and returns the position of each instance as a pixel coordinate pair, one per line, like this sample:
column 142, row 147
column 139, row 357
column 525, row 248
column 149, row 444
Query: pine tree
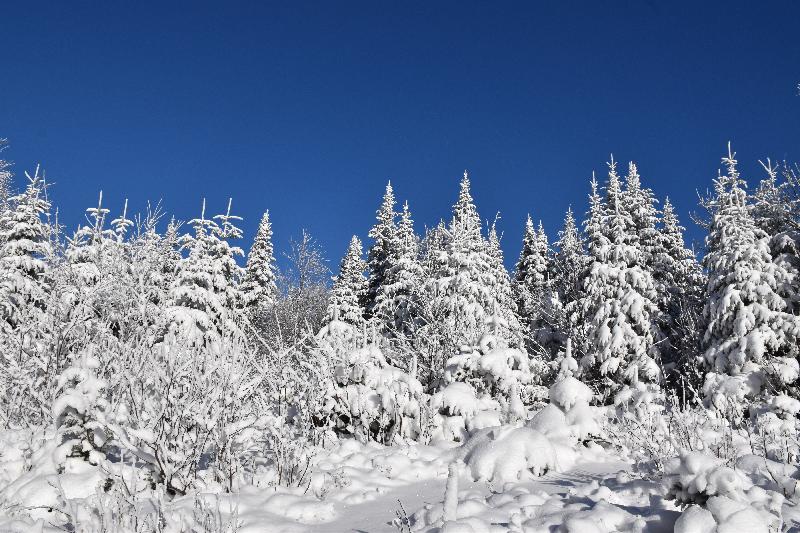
column 464, row 284
column 535, row 297
column 259, row 285
column 6, row 177
column 503, row 291
column 380, row 253
column 618, row 306
column 25, row 251
column 569, row 262
column 593, row 225
column 749, row 337
column 640, row 204
column 525, row 273
column 349, row 287
column 775, row 211
column 205, row 294
column 397, row 303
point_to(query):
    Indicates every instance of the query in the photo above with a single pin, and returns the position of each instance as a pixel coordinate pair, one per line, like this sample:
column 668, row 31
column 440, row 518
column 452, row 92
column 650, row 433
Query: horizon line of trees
column 91, row 314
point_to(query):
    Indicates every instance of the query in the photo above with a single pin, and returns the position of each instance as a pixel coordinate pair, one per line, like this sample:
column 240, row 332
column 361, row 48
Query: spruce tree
column 776, row 210
column 205, row 295
column 380, row 253
column 397, row 306
column 464, row 284
column 259, row 287
column 25, row 251
column 535, row 297
column 349, row 287
column 750, row 339
column 525, row 273
column 618, row 305
column 569, row 261
column 640, row 204
column 677, row 272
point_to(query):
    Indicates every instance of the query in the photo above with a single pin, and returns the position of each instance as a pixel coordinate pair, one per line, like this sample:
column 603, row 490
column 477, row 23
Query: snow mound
column 719, row 493
column 507, row 454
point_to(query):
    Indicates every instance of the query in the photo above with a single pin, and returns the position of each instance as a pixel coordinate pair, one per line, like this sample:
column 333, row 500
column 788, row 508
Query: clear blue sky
column 306, row 109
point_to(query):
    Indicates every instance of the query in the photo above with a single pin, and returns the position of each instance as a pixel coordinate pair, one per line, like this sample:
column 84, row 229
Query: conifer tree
column 349, row 287
column 259, row 287
column 464, row 284
column 6, row 177
column 618, row 306
column 569, row 261
column 380, row 253
column 205, row 294
column 750, row 339
column 398, row 298
column 502, row 280
column 640, row 203
column 525, row 273
column 535, row 297
column 25, row 251
column 775, row 210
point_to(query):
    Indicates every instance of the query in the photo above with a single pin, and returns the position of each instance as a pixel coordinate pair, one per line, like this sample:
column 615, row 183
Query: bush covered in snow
column 366, row 396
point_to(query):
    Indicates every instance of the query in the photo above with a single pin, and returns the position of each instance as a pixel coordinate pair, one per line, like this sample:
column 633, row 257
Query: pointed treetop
column 464, row 210
column 122, row 223
column 98, row 213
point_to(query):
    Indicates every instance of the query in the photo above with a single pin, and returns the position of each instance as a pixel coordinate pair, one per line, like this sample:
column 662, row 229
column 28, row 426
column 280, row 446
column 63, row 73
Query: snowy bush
column 719, row 495
column 568, row 416
column 506, row 454
column 80, row 410
column 366, row 396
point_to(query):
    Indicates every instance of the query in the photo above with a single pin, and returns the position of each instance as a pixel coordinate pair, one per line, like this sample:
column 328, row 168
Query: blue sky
column 307, row 109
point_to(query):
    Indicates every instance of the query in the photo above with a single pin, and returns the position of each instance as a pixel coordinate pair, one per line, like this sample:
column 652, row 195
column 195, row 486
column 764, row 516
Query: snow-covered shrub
column 458, row 410
column 485, row 385
column 505, row 454
column 568, row 416
column 726, row 496
column 494, row 368
column 775, row 421
column 80, row 410
column 366, row 396
column 183, row 413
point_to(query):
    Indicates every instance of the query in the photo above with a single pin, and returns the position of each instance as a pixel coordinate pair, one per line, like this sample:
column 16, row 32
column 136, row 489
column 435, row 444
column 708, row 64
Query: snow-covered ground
column 355, row 487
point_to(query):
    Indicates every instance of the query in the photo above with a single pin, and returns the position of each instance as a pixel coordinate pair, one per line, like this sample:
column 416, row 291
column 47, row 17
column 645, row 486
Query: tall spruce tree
column 259, row 287
column 205, row 294
column 464, row 285
column 25, row 250
column 750, row 339
column 397, row 306
column 349, row 287
column 776, row 210
column 618, row 304
column 380, row 253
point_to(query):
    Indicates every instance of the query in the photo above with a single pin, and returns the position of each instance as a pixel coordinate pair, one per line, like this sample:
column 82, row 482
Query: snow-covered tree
column 80, row 410
column 397, row 304
column 25, row 251
column 682, row 282
column 6, row 178
column 750, row 339
column 349, row 287
column 569, row 260
column 618, row 306
column 380, row 253
column 776, row 210
column 640, row 204
column 537, row 302
column 567, row 270
column 464, row 284
column 259, row 285
column 205, row 295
